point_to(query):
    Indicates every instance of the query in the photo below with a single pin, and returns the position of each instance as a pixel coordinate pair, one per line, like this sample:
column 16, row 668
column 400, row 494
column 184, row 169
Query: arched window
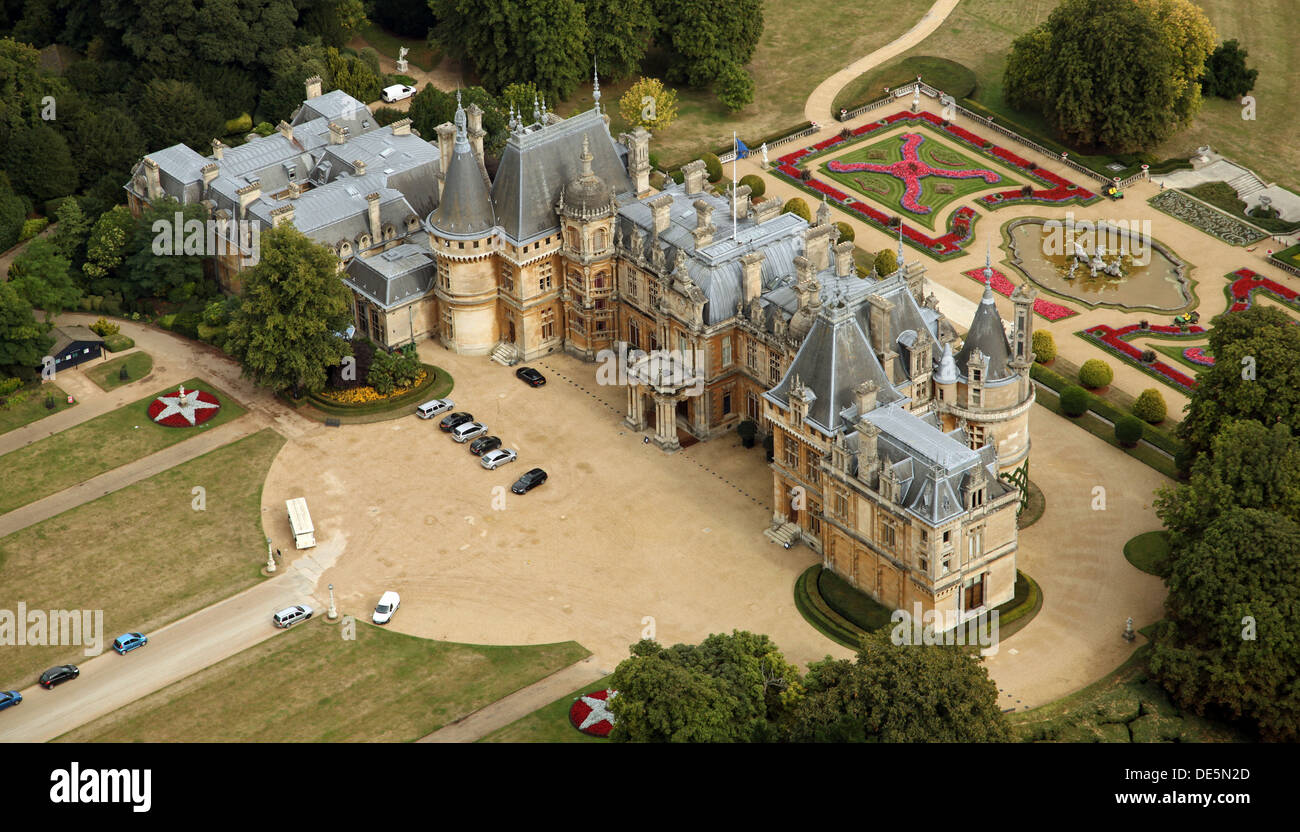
column 345, row 249
column 599, row 240
column 363, row 241
column 389, row 232
column 573, row 238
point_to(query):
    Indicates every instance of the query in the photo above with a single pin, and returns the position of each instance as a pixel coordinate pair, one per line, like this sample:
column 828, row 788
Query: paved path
column 110, row 681
column 519, row 704
column 818, row 107
column 130, row 473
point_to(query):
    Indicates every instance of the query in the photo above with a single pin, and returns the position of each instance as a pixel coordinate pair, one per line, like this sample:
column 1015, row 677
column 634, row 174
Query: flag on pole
column 742, row 152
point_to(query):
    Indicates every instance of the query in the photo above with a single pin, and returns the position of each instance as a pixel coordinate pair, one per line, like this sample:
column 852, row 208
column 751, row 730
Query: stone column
column 666, row 422
column 635, row 408
column 778, row 501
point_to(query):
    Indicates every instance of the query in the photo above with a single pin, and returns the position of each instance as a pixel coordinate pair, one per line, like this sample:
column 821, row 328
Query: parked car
column 469, row 430
column 9, row 698
column 127, row 642
column 495, row 459
column 388, row 604
column 484, row 444
column 430, row 409
column 397, row 92
column 531, row 376
column 529, row 481
column 289, row 616
column 59, row 675
column 455, row 420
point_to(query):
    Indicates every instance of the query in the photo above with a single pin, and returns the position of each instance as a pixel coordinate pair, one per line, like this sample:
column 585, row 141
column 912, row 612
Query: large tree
column 155, row 266
column 106, row 247
column 1250, row 465
column 1226, row 75
column 510, row 41
column 1230, row 644
column 13, row 211
column 175, row 112
column 728, row 688
column 900, row 693
column 39, row 162
column 23, row 339
column 1118, row 74
column 620, row 34
column 283, row 333
column 1256, row 375
column 41, row 276
column 701, row 37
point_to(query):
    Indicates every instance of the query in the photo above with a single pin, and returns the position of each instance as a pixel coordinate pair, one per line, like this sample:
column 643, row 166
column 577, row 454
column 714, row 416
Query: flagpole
column 735, row 154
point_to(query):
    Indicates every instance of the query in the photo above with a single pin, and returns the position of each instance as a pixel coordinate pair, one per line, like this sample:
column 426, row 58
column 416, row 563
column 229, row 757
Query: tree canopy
column 23, row 339
column 702, row 37
column 1226, row 75
column 1118, row 74
column 41, row 276
column 283, row 333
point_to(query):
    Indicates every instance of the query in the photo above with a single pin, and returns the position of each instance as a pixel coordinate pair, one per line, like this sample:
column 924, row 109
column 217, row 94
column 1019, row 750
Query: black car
column 455, row 420
column 484, row 444
column 529, row 481
column 531, row 376
column 59, row 675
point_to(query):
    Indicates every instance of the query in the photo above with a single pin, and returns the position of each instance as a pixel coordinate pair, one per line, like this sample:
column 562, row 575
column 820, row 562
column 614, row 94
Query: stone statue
column 401, row 59
column 764, row 149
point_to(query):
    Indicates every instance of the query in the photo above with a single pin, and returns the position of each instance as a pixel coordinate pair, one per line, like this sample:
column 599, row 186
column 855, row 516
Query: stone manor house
column 897, row 446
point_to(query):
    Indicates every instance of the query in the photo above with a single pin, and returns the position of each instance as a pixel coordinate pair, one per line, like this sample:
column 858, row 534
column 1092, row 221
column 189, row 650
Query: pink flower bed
column 1004, row 287
column 911, row 170
column 1197, row 355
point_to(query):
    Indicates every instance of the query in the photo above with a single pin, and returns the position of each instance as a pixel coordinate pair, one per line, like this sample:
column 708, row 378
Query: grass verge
column 100, row 444
column 550, row 723
column 27, row 405
column 108, row 375
column 311, row 685
column 143, row 555
column 1148, row 551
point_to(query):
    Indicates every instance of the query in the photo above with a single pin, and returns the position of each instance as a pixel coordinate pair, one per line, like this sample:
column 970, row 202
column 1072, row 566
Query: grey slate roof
column 988, row 335
column 66, row 335
column 393, row 277
column 465, row 208
column 336, row 106
column 538, row 162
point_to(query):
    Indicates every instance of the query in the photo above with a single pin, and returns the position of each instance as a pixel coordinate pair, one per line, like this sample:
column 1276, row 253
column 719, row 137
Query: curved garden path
column 818, row 107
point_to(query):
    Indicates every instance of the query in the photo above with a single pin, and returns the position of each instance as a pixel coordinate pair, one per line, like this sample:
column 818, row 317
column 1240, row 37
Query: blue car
column 127, row 642
column 9, row 698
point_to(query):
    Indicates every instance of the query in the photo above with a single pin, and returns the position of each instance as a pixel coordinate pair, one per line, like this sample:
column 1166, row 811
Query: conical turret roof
column 465, row 207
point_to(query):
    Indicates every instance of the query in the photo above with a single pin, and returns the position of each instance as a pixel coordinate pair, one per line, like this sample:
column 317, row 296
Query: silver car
column 468, row 431
column 495, row 459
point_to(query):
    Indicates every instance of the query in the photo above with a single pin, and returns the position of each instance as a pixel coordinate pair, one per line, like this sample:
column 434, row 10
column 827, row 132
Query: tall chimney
column 659, row 212
column 446, row 141
column 372, row 208
column 695, row 175
column 336, row 134
column 817, row 241
column 768, row 209
column 844, row 258
column 281, row 215
column 248, row 194
column 742, row 200
column 879, row 323
column 286, row 129
column 703, row 223
column 402, row 127
column 209, row 171
column 638, row 159
column 751, row 266
column 153, row 182
column 313, row 87
column 218, row 149
column 474, row 127
column 359, row 167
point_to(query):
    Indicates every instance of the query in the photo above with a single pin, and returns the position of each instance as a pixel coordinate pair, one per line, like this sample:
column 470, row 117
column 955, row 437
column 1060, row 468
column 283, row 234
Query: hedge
column 118, row 342
column 713, row 166
column 1128, row 431
column 1156, row 437
column 1074, row 401
column 1150, row 406
column 757, row 187
column 1095, row 373
column 1044, row 346
column 434, row 375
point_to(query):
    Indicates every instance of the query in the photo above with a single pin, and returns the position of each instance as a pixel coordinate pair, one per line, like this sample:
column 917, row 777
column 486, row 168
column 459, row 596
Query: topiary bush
column 846, row 231
column 1044, row 346
column 1074, row 401
column 1095, row 373
column 799, row 208
column 757, row 187
column 713, row 166
column 1150, row 406
column 1128, row 431
column 103, row 328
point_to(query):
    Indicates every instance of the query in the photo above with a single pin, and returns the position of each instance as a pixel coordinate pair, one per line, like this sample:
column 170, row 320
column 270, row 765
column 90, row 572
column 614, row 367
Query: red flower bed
column 1004, row 287
column 184, row 408
column 1248, row 282
column 1113, row 340
column 588, row 713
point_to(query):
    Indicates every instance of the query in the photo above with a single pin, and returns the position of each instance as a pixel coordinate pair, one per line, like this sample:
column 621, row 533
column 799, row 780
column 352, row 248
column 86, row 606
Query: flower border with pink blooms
column 1050, row 310
column 963, row 219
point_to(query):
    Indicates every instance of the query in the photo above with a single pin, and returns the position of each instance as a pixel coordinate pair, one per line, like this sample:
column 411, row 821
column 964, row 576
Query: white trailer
column 304, row 536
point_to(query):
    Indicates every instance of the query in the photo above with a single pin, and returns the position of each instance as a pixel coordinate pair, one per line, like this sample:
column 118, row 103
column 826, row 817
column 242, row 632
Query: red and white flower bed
column 184, row 408
column 1004, row 287
column 590, row 713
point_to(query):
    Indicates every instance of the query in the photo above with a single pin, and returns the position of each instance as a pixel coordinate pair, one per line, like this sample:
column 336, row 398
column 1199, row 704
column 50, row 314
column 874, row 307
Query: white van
column 430, row 409
column 289, row 616
column 304, row 536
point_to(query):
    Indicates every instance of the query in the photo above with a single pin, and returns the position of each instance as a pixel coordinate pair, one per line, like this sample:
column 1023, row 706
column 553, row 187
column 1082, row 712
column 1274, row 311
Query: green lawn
column 886, row 189
column 28, row 405
column 802, row 44
column 1148, row 551
column 312, row 685
column 108, row 374
column 940, row 73
column 143, row 554
column 550, row 723
column 101, row 444
column 1126, row 706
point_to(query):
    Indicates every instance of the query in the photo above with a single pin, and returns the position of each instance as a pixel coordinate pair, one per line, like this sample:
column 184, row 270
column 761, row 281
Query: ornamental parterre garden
column 590, row 714
column 906, row 181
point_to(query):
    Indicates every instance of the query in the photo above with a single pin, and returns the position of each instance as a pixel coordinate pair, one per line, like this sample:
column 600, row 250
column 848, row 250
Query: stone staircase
column 1246, row 185
column 787, row 534
column 505, row 354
